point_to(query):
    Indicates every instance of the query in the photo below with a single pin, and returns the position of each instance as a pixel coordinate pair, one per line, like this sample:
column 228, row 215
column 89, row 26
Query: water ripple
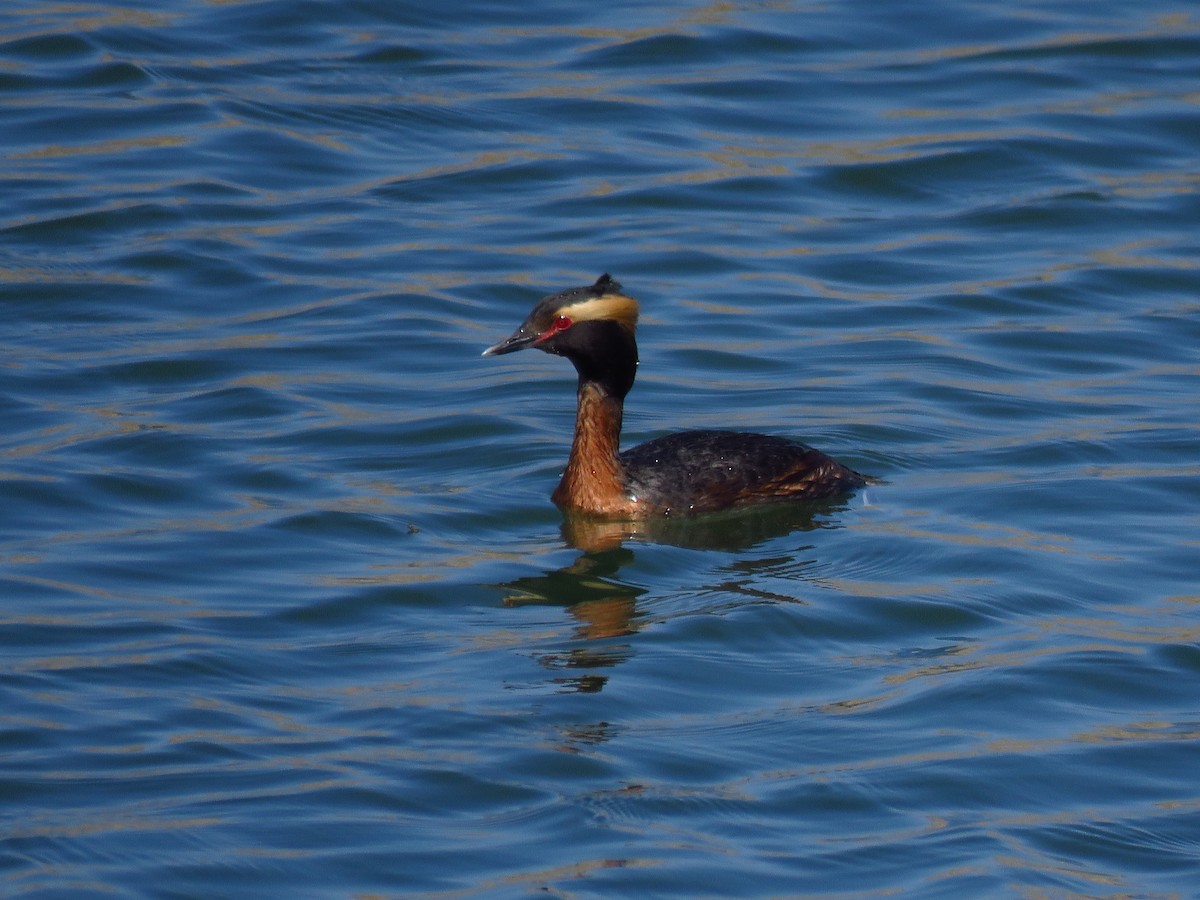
column 285, row 602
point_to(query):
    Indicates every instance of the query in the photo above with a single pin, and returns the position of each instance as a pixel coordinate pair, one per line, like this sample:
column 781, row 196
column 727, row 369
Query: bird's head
column 591, row 326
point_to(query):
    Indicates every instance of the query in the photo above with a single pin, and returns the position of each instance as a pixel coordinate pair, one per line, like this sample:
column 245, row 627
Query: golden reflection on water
column 51, row 20
column 109, row 147
column 60, row 275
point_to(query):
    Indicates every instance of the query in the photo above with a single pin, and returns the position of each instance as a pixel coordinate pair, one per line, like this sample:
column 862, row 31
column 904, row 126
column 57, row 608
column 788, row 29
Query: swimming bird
column 686, row 473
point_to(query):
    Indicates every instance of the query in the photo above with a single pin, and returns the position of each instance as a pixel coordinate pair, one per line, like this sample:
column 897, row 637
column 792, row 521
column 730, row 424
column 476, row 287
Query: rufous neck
column 594, row 480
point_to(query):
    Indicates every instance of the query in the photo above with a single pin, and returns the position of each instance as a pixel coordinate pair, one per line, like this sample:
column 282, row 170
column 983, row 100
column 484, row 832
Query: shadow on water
column 605, row 607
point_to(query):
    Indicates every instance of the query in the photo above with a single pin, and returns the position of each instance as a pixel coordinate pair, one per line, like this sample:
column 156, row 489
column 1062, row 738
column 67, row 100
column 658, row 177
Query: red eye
column 562, row 323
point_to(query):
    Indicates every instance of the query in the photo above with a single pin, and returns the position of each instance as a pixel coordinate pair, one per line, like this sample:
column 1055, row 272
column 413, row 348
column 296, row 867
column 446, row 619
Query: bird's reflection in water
column 603, row 606
column 606, row 607
column 728, row 531
column 588, row 588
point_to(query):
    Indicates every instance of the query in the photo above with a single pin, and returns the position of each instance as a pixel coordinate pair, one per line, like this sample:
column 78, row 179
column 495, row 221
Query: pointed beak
column 520, row 339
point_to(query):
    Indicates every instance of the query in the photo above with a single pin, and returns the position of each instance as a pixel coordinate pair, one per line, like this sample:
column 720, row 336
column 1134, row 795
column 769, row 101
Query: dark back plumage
column 702, row 471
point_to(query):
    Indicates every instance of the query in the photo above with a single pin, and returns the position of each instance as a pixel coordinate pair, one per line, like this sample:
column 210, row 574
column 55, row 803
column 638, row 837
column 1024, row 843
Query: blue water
column 285, row 609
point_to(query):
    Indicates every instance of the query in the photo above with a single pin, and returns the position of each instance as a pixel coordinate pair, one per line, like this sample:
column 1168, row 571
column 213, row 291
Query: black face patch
column 603, row 351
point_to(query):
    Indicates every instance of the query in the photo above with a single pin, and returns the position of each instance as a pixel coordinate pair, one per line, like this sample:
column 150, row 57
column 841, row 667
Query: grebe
column 680, row 474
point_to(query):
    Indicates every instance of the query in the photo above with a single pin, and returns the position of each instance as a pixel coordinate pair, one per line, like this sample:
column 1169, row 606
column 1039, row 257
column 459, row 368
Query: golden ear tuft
column 612, row 307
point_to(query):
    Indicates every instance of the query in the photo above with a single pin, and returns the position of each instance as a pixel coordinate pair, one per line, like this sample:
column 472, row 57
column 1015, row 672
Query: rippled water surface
column 285, row 607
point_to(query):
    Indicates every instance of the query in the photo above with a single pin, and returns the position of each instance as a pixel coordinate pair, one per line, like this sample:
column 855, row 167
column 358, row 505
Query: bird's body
column 706, row 471
column 685, row 473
